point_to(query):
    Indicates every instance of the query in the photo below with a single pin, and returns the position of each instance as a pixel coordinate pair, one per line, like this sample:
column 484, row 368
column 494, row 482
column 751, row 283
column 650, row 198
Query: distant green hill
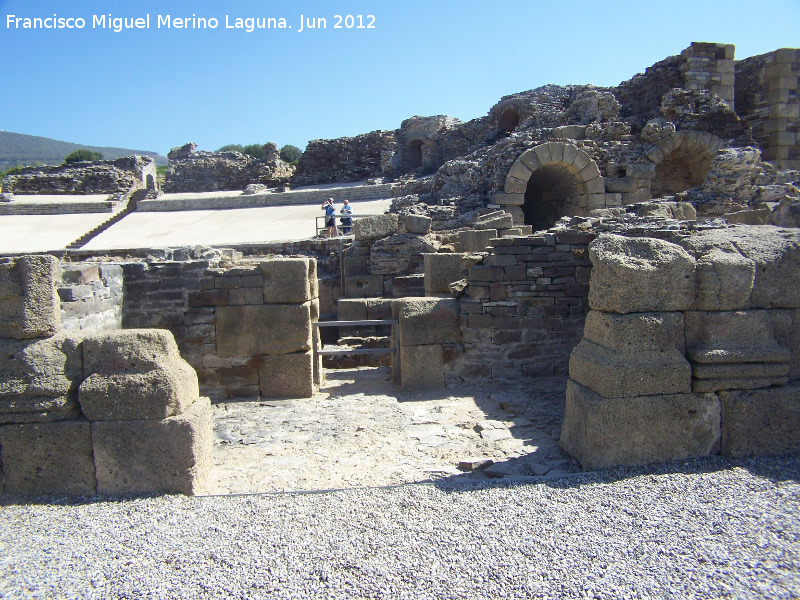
column 20, row 149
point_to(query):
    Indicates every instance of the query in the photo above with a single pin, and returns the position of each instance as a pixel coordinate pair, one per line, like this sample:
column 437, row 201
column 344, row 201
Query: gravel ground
column 707, row 528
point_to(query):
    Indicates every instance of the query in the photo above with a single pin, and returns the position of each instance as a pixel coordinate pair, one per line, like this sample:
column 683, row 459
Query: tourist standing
column 347, row 221
column 330, row 216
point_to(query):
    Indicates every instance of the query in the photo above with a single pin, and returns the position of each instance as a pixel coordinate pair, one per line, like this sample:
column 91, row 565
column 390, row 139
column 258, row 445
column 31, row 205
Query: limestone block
column 517, row 216
column 351, row 309
column 733, row 337
column 776, row 254
column 421, row 367
column 171, row 456
column 39, row 378
column 425, row 321
column 519, row 170
column 135, row 374
column 475, row 240
column 543, row 154
column 581, row 160
column 286, row 280
column 80, row 274
column 569, row 132
column 418, row 224
column 503, row 221
column 441, row 270
column 759, row 422
column 48, row 458
column 373, row 228
column 640, row 275
column 641, row 171
column 592, row 186
column 724, row 280
column 786, row 325
column 602, row 432
column 516, row 199
column 514, row 186
column 615, row 374
column 530, row 160
column 556, row 151
column 741, row 383
column 313, row 280
column 364, row 286
column 356, row 265
column 634, row 332
column 263, row 329
column 29, row 304
column 287, row 376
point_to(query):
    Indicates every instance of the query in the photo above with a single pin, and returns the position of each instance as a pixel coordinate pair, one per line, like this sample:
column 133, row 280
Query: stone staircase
column 130, row 207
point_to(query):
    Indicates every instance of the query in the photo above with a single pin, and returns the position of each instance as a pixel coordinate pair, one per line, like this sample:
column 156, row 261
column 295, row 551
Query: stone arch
column 508, row 121
column 414, row 154
column 551, row 181
column 682, row 161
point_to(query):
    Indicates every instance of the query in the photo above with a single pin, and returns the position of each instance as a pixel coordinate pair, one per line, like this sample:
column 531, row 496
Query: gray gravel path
column 709, row 529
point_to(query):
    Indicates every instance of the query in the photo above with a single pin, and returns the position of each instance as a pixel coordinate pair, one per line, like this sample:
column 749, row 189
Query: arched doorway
column 509, row 119
column 552, row 193
column 685, row 159
column 414, row 154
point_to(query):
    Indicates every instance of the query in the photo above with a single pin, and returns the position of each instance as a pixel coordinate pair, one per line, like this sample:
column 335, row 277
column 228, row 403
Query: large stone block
column 786, row 325
column 29, row 304
column 475, row 240
column 602, row 432
column 264, row 329
column 39, row 378
column 364, row 286
column 135, row 374
column 172, row 455
column 286, row 280
column 424, row 321
column 640, row 275
column 421, row 367
column 351, row 309
column 287, row 376
column 373, row 228
column 615, row 374
column 757, row 422
column 419, row 224
column 634, row 332
column 48, row 458
column 503, row 221
column 744, row 336
column 441, row 270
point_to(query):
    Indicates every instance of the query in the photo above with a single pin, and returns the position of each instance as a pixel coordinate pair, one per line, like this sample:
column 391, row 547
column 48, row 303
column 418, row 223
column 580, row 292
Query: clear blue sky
column 158, row 88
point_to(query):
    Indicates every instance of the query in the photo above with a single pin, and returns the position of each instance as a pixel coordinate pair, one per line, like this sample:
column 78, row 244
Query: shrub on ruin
column 254, row 151
column 81, row 156
column 232, row 148
column 290, row 153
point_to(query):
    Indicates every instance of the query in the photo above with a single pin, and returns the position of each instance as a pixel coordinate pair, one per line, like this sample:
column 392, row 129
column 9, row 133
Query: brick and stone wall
column 85, row 412
column 91, row 296
column 767, row 98
column 690, row 348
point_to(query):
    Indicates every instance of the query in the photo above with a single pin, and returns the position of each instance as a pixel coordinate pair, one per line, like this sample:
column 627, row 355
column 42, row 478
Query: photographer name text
column 227, row 22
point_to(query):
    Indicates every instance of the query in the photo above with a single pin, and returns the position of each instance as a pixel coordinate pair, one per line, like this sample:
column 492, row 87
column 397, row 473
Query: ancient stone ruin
column 641, row 241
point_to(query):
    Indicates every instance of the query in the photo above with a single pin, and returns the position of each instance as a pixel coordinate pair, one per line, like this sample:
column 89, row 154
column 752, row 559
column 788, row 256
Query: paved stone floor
column 361, row 430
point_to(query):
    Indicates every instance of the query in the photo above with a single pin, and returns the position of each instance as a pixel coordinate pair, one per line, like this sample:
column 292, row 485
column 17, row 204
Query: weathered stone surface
column 741, row 383
column 441, row 270
column 425, row 321
column 786, row 325
column 265, row 329
column 418, row 224
column 29, row 304
column 504, row 221
column 171, row 456
column 39, row 378
column 400, row 254
column 474, row 240
column 373, row 228
column 602, row 432
column 95, row 177
column 635, row 332
column 135, row 374
column 615, row 374
column 421, row 367
column 640, row 275
column 758, row 422
column 364, row 286
column 286, row 280
column 732, row 337
column 287, row 376
column 47, row 458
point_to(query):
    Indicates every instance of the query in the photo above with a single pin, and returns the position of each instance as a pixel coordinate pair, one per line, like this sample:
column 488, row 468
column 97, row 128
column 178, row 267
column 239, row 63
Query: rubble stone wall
column 87, row 412
column 91, row 297
column 690, row 348
column 346, row 159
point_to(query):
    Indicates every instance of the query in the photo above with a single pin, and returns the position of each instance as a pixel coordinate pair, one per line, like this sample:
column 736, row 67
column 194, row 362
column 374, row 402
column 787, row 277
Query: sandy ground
column 361, row 430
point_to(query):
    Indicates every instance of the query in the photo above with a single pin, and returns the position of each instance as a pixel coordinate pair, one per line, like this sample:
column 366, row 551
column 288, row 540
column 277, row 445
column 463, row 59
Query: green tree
column 254, row 150
column 232, row 148
column 290, row 153
column 82, row 155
